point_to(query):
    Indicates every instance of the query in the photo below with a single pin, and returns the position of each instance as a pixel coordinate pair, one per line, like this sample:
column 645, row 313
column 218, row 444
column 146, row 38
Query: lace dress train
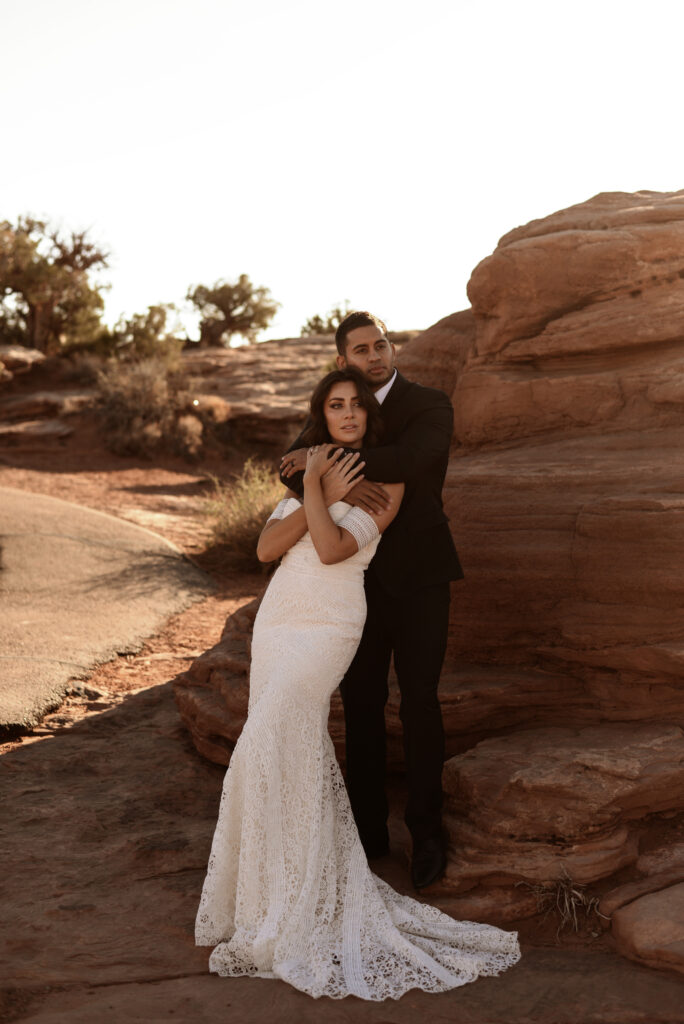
column 288, row 892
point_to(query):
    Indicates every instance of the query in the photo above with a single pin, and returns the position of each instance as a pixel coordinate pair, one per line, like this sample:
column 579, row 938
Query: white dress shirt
column 382, row 393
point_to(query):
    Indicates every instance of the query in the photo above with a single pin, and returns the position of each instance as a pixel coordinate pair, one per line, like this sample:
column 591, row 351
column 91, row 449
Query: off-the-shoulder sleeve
column 279, row 512
column 362, row 527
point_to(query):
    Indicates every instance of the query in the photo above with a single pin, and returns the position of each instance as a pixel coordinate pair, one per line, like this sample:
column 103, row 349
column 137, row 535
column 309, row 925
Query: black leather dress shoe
column 428, row 862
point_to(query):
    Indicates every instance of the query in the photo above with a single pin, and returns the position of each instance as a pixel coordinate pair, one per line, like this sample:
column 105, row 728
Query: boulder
column 651, row 929
column 542, row 803
column 631, row 891
column 578, row 324
column 212, row 695
column 29, row 431
column 616, row 246
column 495, row 904
column 570, row 557
column 214, row 408
column 259, row 393
column 19, row 359
column 565, row 484
column 436, row 356
column 46, row 403
column 663, row 858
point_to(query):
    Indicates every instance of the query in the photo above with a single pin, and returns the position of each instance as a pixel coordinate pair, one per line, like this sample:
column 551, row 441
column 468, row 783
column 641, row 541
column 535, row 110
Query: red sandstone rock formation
column 542, row 803
column 17, row 359
column 566, row 497
column 579, row 323
column 262, row 390
column 651, row 929
column 566, row 491
column 437, row 356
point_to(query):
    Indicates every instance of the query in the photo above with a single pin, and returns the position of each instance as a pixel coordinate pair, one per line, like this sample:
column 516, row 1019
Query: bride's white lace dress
column 288, row 892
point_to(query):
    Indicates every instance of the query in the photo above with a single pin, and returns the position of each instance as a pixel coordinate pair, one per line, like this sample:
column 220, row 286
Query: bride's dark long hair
column 316, row 431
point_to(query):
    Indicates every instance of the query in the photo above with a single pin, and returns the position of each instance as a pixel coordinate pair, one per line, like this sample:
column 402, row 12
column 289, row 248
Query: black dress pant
column 413, row 627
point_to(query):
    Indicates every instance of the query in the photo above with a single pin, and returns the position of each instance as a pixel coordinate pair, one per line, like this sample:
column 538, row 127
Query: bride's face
column 344, row 415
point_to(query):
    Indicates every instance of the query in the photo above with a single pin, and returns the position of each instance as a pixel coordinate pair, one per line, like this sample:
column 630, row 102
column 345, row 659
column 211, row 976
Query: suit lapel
column 395, row 394
column 392, row 407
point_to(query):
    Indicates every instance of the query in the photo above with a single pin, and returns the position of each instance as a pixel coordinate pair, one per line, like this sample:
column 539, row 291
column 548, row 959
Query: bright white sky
column 368, row 150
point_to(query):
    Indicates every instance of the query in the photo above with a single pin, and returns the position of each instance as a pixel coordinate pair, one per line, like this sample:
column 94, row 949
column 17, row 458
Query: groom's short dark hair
column 353, row 320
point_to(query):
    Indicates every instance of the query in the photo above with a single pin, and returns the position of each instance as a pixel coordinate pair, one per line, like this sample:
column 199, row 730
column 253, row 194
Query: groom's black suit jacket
column 417, row 549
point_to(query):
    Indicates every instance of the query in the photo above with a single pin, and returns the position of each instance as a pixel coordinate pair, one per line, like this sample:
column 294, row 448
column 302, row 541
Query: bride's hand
column 341, row 476
column 317, row 460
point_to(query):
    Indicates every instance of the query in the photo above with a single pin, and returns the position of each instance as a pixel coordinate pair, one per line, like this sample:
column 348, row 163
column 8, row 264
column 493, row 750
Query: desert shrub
column 229, row 308
column 189, row 434
column 145, row 407
column 82, row 367
column 239, row 509
column 144, row 336
column 42, row 269
column 328, row 323
column 133, row 339
column 565, row 898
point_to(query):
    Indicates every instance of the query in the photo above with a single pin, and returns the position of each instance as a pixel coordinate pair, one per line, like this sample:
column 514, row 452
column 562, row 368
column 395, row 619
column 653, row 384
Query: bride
column 288, row 892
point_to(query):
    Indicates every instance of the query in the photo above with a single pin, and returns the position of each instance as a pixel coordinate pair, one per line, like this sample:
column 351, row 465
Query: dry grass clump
column 146, row 407
column 82, row 367
column 239, row 510
column 567, row 899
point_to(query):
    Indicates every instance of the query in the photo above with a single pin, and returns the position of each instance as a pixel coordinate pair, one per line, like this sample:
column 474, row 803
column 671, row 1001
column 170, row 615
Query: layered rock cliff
column 562, row 690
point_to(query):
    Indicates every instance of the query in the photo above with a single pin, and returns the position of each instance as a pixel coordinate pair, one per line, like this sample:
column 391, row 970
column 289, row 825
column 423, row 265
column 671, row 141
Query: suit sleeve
column 296, row 482
column 425, row 438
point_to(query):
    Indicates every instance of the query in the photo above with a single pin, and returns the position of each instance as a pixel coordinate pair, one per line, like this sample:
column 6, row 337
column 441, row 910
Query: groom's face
column 369, row 351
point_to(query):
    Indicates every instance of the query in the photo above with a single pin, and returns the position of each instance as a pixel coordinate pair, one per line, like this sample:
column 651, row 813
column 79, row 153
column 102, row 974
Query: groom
column 407, row 593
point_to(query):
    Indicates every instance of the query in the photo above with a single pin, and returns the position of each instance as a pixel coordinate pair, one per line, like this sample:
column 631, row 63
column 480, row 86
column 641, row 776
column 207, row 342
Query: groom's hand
column 293, row 462
column 369, row 496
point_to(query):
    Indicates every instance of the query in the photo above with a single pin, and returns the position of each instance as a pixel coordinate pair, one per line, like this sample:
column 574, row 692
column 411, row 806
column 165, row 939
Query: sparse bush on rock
column 141, row 336
column 146, row 336
column 238, row 511
column 83, row 367
column 189, row 434
column 328, row 323
column 145, row 407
